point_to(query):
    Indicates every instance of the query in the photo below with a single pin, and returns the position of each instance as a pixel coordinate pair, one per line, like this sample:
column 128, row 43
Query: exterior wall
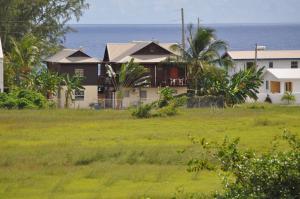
column 276, row 97
column 134, row 98
column 241, row 64
column 90, row 96
column 90, row 71
column 1, row 75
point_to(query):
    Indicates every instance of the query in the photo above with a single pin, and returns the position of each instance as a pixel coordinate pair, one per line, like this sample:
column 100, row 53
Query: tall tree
column 23, row 57
column 204, row 49
column 45, row 19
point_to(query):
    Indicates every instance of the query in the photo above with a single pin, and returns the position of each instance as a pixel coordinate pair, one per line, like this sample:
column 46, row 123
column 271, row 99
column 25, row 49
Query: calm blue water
column 93, row 38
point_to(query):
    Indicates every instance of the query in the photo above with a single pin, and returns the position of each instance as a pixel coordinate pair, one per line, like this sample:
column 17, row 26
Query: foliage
column 273, row 174
column 243, row 85
column 23, row 99
column 143, row 111
column 288, row 97
column 204, row 49
column 23, row 57
column 45, row 19
column 72, row 84
column 44, row 81
column 130, row 75
column 167, row 105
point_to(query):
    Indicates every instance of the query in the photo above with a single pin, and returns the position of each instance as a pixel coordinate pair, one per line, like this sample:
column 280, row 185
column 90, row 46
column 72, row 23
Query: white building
column 1, row 69
column 281, row 72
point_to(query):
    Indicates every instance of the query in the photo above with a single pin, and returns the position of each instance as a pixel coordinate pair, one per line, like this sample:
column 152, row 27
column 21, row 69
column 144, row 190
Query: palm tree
column 24, row 56
column 204, row 50
column 72, row 84
column 131, row 75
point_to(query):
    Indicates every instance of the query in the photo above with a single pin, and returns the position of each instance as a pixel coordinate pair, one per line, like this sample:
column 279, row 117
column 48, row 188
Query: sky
column 209, row 11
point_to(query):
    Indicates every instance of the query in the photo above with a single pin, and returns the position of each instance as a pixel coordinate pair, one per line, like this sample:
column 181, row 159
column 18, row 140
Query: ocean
column 93, row 38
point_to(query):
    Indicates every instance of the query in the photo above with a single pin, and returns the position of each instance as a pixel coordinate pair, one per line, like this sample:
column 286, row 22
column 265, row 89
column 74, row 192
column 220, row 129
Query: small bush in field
column 143, row 111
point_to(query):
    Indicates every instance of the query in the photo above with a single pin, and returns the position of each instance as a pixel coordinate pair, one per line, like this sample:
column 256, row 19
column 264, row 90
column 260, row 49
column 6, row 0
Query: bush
column 143, row 111
column 273, row 174
column 23, row 99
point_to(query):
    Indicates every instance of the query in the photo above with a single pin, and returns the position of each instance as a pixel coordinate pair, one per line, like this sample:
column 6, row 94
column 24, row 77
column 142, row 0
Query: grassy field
column 107, row 154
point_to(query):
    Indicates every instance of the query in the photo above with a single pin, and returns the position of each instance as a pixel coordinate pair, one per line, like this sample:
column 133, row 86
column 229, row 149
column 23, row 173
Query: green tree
column 45, row 19
column 243, row 85
column 44, row 81
column 71, row 84
column 24, row 56
column 204, row 49
column 131, row 75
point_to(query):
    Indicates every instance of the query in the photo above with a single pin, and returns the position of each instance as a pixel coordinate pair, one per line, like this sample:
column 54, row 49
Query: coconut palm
column 72, row 84
column 204, row 50
column 131, row 75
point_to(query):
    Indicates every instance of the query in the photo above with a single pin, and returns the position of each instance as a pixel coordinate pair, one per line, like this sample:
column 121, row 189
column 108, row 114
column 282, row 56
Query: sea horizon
column 239, row 36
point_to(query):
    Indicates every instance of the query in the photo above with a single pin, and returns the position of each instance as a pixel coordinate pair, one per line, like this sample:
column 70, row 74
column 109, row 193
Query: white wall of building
column 90, row 96
column 276, row 97
column 152, row 95
column 242, row 64
column 1, row 69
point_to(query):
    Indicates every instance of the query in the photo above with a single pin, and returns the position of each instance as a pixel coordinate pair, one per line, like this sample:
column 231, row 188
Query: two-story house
column 74, row 61
column 154, row 56
column 1, row 69
column 281, row 74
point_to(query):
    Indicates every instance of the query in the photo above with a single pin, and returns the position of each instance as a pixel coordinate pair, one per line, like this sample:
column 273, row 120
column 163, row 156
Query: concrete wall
column 90, row 96
column 152, row 95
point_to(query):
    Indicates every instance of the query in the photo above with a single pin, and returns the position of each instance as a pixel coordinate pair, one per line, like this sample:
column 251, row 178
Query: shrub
column 23, row 99
column 143, row 111
column 273, row 174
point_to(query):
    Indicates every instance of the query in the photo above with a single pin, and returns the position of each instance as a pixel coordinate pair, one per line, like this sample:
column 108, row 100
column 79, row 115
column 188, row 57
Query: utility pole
column 198, row 23
column 183, row 29
column 256, row 49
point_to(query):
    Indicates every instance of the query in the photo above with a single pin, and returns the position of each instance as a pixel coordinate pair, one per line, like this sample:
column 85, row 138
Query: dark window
column 267, row 85
column 143, row 94
column 250, row 65
column 271, row 65
column 79, row 95
column 127, row 93
column 294, row 64
column 288, row 86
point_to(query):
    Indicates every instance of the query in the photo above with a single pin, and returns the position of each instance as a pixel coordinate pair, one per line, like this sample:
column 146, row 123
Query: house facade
column 152, row 55
column 1, row 69
column 281, row 70
column 73, row 61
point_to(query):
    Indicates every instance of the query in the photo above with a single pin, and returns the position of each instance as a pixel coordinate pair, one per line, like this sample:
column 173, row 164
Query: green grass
column 108, row 154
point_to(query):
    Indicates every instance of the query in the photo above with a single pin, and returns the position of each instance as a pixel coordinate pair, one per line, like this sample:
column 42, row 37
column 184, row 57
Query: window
column 143, row 94
column 275, row 87
column 127, row 93
column 271, row 65
column 267, row 85
column 294, row 64
column 79, row 72
column 79, row 95
column 288, row 86
column 250, row 65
